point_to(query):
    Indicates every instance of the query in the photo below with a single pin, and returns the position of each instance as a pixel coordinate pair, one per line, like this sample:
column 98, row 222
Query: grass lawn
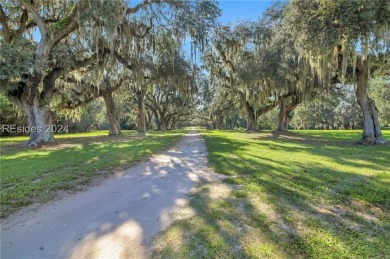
column 303, row 194
column 31, row 175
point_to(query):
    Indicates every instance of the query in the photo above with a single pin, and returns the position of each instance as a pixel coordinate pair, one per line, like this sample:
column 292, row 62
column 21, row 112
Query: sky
column 233, row 10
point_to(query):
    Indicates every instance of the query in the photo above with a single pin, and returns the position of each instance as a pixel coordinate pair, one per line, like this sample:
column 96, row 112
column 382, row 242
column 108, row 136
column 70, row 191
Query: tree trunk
column 40, row 120
column 113, row 122
column 141, row 116
column 163, row 123
column 252, row 123
column 251, row 118
column 38, row 113
column 285, row 110
column 372, row 133
column 283, row 117
column 149, row 120
column 160, row 121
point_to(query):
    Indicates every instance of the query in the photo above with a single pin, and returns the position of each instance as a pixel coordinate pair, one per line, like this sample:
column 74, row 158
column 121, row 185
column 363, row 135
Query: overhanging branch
column 3, row 21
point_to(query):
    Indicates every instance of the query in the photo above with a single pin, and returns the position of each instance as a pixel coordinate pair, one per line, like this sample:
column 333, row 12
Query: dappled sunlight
column 193, row 177
column 296, row 190
column 27, row 155
column 93, row 159
column 118, row 217
column 125, row 241
column 44, row 172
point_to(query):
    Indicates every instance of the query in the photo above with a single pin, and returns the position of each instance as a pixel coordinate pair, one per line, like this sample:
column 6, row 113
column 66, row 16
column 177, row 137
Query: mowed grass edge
column 303, row 194
column 37, row 175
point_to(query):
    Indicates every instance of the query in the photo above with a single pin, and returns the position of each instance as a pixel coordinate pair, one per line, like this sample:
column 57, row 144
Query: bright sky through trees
column 234, row 11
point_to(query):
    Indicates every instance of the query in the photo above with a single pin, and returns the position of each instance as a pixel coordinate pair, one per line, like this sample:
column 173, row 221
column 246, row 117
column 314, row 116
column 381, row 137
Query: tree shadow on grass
column 117, row 218
column 302, row 206
column 342, row 152
column 38, row 175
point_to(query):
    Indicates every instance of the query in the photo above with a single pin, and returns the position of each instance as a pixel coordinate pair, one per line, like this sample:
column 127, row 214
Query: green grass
column 31, row 175
column 101, row 133
column 304, row 194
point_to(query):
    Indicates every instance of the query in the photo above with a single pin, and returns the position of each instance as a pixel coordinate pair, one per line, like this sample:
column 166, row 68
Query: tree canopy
column 59, row 58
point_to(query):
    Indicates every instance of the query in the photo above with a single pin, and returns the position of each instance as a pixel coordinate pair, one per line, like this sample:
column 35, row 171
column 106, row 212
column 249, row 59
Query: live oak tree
column 285, row 74
column 81, row 88
column 343, row 40
column 29, row 69
column 28, row 77
column 259, row 66
column 228, row 50
column 172, row 92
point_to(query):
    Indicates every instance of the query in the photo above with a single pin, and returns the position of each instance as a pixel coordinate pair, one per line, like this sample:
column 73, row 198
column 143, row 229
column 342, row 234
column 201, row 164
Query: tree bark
column 283, row 117
column 251, row 117
column 163, row 123
column 40, row 120
column 38, row 113
column 141, row 116
column 113, row 121
column 285, row 110
column 26, row 96
column 149, row 117
column 372, row 133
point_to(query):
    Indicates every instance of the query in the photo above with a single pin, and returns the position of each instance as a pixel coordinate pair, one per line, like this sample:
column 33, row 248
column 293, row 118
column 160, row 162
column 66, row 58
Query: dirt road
column 116, row 219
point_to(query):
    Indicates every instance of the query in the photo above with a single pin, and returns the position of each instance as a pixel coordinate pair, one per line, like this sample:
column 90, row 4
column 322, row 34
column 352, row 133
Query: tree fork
column 285, row 111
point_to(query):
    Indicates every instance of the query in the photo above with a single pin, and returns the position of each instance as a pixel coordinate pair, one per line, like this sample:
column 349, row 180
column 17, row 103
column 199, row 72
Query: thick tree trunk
column 40, row 120
column 160, row 121
column 372, row 133
column 113, row 121
column 38, row 113
column 163, row 123
column 251, row 118
column 283, row 117
column 285, row 110
column 252, row 123
column 141, row 115
column 157, row 119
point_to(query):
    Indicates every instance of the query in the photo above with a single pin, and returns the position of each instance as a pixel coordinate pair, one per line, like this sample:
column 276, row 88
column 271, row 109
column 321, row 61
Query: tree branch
column 132, row 10
column 33, row 24
column 49, row 80
column 3, row 21
column 123, row 61
column 37, row 18
column 23, row 21
column 68, row 24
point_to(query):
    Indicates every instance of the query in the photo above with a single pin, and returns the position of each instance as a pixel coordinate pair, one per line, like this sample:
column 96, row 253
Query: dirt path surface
column 116, row 219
